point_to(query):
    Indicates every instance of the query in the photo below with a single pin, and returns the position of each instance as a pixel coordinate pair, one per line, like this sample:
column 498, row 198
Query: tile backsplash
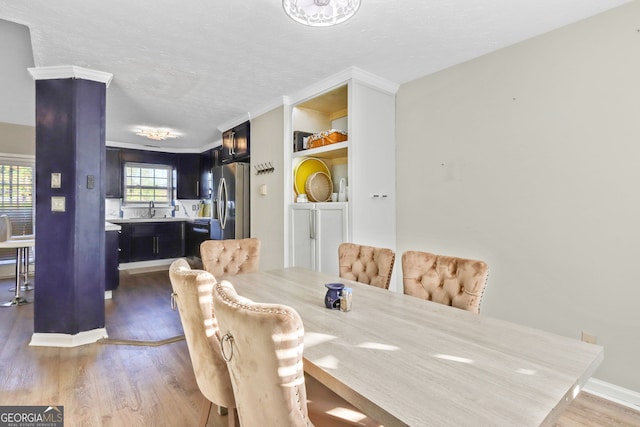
column 183, row 209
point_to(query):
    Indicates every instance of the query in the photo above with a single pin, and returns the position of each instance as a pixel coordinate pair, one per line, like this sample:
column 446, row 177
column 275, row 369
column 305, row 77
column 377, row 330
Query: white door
column 331, row 230
column 302, row 241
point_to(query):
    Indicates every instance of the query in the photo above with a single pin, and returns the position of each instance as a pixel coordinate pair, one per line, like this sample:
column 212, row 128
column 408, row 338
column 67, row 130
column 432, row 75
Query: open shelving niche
column 328, row 110
column 321, row 112
column 363, row 105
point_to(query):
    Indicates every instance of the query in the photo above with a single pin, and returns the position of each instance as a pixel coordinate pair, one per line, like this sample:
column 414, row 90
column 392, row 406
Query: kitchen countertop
column 108, row 226
column 156, row 219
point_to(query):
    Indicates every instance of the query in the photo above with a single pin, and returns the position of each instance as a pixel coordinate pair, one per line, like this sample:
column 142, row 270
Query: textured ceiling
column 193, row 66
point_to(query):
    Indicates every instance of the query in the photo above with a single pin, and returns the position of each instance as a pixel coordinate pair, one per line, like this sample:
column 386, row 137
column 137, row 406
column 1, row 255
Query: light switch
column 56, row 180
column 263, row 190
column 57, row 203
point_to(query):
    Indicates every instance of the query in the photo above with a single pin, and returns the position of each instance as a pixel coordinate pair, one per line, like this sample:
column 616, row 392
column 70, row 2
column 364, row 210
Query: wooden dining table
column 405, row 361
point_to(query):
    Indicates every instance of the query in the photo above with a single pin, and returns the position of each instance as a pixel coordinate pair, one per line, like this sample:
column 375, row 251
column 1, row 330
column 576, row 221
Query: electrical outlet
column 587, row 337
column 194, row 207
column 176, row 208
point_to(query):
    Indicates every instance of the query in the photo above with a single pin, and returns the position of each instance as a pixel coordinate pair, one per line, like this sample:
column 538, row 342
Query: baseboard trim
column 68, row 340
column 146, row 266
column 620, row 395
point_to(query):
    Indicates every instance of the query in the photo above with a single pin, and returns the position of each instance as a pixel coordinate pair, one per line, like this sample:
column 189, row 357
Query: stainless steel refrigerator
column 230, row 202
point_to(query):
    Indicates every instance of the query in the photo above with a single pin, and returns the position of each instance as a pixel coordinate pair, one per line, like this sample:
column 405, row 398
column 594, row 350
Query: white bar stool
column 21, row 246
column 25, row 286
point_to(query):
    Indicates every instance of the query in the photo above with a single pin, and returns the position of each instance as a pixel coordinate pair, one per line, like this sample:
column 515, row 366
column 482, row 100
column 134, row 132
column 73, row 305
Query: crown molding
column 341, row 78
column 70, row 72
column 374, row 81
column 335, row 80
column 276, row 103
column 234, row 122
column 210, row 145
column 323, row 85
column 132, row 146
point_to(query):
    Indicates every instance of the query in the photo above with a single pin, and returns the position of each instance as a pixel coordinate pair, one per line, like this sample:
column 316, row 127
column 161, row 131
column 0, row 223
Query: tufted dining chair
column 458, row 282
column 230, row 257
column 263, row 346
column 192, row 294
column 366, row 264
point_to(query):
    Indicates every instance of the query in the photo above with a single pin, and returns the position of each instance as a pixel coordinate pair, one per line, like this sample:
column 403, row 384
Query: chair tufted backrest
column 230, row 257
column 263, row 346
column 192, row 293
column 457, row 282
column 366, row 264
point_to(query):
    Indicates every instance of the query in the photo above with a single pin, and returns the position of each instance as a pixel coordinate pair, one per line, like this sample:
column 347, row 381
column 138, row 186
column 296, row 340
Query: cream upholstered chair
column 453, row 281
column 366, row 264
column 263, row 346
column 230, row 257
column 192, row 294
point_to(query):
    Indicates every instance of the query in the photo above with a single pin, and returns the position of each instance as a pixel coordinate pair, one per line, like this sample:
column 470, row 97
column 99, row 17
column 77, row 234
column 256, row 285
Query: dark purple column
column 70, row 245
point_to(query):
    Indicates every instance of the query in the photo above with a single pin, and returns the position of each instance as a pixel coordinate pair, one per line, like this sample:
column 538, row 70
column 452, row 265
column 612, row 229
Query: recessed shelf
column 332, row 151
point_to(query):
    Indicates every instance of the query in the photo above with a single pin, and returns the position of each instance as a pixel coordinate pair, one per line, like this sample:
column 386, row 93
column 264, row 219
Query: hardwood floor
column 131, row 385
column 106, row 384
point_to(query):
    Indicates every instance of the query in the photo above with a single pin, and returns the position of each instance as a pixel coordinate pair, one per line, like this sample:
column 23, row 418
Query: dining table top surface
column 405, row 361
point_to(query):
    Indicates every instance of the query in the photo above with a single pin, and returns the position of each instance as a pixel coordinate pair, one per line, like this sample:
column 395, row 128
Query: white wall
column 529, row 158
column 267, row 212
column 17, row 139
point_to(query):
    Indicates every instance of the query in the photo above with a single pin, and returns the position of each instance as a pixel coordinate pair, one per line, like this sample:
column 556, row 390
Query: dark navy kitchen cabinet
column 235, row 143
column 216, row 156
column 112, row 275
column 113, row 176
column 146, row 241
column 206, row 160
column 188, row 176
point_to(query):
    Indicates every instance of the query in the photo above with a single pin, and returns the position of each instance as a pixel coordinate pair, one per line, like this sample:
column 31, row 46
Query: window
column 16, row 198
column 145, row 182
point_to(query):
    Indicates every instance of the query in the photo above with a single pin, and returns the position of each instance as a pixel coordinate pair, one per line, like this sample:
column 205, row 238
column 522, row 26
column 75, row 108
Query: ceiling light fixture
column 320, row 13
column 157, row 134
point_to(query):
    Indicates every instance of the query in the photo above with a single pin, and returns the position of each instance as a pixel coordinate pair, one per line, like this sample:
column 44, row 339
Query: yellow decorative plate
column 304, row 169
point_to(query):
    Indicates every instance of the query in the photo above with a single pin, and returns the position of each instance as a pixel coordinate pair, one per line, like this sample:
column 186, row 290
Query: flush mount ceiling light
column 157, row 134
column 320, row 13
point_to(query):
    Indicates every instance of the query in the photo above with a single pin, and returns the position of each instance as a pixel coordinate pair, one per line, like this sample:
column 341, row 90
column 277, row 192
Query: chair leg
column 233, row 420
column 204, row 412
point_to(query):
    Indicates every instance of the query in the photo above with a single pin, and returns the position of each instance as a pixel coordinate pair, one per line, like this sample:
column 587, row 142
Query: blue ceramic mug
column 332, row 297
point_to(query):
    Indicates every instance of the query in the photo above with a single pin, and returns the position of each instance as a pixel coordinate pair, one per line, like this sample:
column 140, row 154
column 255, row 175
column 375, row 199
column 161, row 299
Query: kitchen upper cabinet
column 216, row 156
column 235, row 143
column 113, row 178
column 206, row 160
column 145, row 156
column 188, row 176
column 151, row 240
column 317, row 229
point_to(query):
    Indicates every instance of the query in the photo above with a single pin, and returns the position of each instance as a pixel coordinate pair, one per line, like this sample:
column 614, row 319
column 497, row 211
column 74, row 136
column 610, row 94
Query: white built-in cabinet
column 364, row 106
column 317, row 229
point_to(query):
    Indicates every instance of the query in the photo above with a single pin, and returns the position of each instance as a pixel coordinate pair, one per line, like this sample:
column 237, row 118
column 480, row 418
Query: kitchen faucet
column 151, row 206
